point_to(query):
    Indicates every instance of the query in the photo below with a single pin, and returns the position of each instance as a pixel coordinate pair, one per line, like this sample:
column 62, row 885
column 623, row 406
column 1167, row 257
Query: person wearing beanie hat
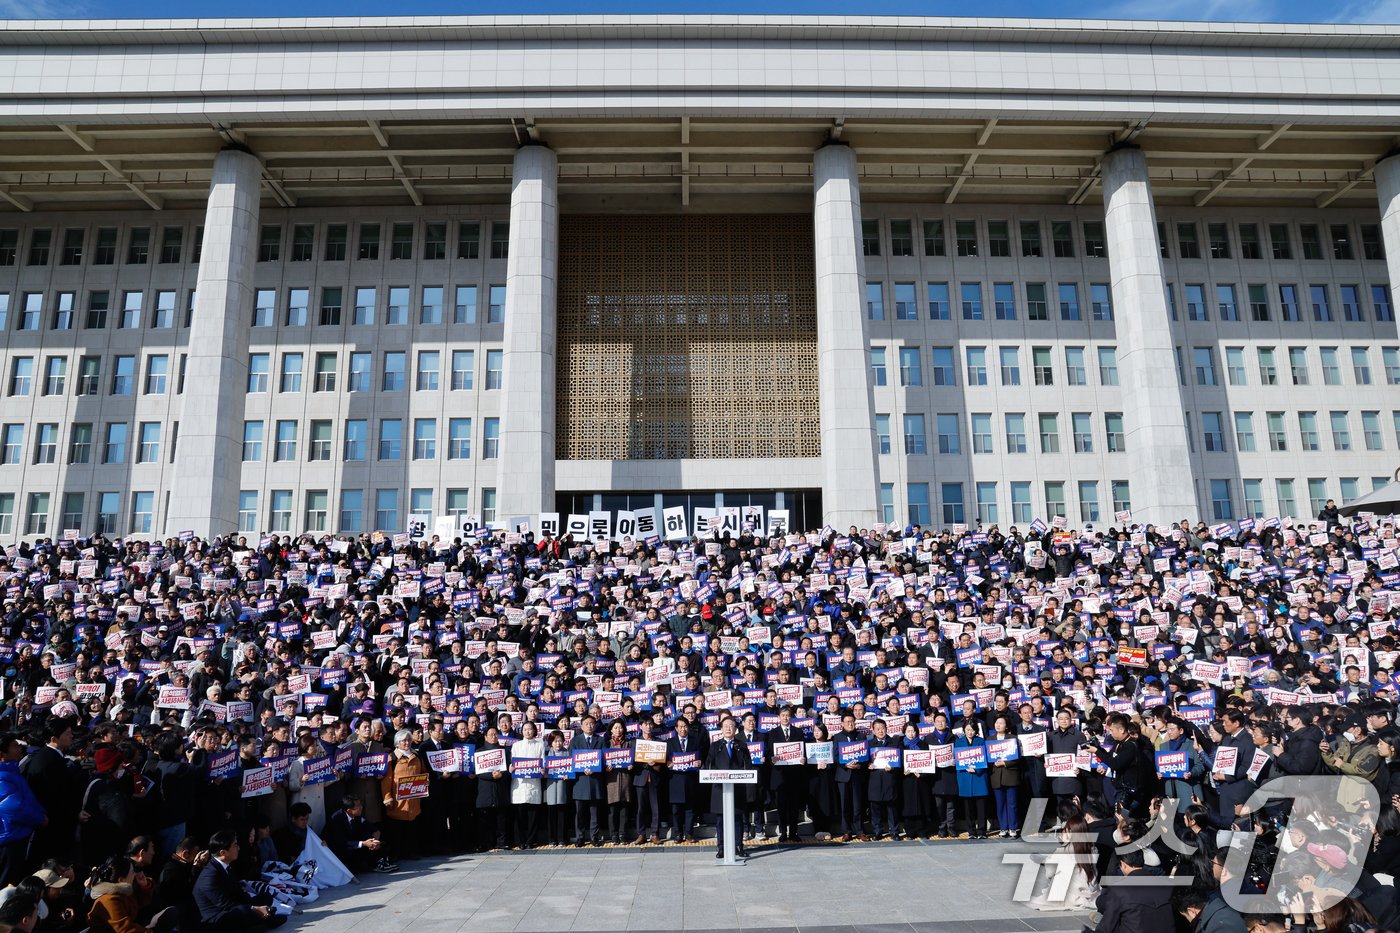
column 107, row 818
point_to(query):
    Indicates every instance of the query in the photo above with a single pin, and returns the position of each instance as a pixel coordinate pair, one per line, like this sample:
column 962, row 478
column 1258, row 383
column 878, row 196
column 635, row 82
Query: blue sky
column 1350, row 11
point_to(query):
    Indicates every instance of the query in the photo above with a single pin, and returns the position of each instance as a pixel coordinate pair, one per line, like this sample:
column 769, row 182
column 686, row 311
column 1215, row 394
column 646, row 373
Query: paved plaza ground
column 948, row 887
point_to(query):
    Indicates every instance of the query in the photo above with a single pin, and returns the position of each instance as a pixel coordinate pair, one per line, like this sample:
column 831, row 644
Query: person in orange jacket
column 402, row 797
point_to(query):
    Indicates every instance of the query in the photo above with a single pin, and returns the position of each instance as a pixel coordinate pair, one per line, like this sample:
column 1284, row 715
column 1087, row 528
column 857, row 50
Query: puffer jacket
column 20, row 811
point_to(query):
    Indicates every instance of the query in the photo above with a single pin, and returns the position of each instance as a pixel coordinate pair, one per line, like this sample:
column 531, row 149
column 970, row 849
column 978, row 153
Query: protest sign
column 257, row 782
column 1061, row 765
column 412, row 787
column 971, row 759
column 1173, row 765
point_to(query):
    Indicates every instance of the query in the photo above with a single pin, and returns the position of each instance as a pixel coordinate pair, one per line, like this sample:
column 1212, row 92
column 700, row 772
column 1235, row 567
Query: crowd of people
column 188, row 723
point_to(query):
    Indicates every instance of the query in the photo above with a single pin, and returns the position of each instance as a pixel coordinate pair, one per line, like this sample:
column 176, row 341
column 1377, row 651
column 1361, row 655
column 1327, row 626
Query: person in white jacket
column 527, row 793
column 1069, row 880
column 314, row 795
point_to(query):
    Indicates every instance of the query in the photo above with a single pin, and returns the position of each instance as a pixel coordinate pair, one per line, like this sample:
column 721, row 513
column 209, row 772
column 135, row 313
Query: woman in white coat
column 1070, row 879
column 314, row 795
column 527, row 793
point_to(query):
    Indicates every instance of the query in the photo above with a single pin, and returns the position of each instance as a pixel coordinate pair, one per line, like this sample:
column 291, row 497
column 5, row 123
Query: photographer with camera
column 1130, row 759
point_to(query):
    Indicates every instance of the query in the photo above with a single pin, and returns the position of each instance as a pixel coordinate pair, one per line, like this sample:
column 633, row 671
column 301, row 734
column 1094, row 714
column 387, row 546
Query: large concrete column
column 1388, row 193
column 208, row 458
column 1160, row 462
column 850, row 462
column 525, row 486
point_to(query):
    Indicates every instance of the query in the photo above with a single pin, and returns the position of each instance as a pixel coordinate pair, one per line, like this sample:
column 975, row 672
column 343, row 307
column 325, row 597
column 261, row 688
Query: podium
column 728, row 779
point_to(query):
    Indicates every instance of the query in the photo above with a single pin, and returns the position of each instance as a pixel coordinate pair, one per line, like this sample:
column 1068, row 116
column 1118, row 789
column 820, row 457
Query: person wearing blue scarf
column 944, row 786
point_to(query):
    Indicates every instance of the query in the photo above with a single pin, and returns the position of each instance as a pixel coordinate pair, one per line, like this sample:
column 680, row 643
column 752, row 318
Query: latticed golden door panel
column 687, row 337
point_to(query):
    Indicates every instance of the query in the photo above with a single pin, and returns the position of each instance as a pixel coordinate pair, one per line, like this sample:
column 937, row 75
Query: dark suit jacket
column 786, row 775
column 220, row 899
column 719, row 758
column 683, row 787
column 587, row 786
column 884, row 783
column 844, row 775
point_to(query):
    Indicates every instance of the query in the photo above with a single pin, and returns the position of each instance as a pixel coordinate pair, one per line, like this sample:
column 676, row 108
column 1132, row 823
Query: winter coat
column 313, row 795
column 114, row 910
column 1065, row 743
column 404, row 765
column 112, row 817
column 492, row 789
column 527, row 790
column 1009, row 774
column 970, row 784
column 20, row 811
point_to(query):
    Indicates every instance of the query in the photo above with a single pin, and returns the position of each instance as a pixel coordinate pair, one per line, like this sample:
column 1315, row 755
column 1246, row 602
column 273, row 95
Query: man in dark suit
column 51, row 778
column 749, row 797
column 1234, row 786
column 882, row 787
column 682, row 787
column 728, row 754
column 588, row 788
column 785, row 781
column 353, row 840
column 850, row 784
column 222, row 905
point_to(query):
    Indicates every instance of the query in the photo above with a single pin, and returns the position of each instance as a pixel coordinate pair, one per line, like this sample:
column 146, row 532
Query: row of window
column 1223, row 501
column 978, row 360
column 389, row 440
column 1037, row 296
column 952, row 499
column 433, row 240
column 350, row 519
column 133, row 312
column 155, row 377
column 427, row 374
column 1290, row 308
column 1205, row 371
column 938, row 301
column 366, row 311
column 355, row 445
column 138, row 246
column 987, row 504
column 1339, row 424
column 326, row 375
column 106, row 517
column 949, row 440
column 1247, row 240
column 85, row 446
column 1008, row 358
column 73, row 247
column 948, row 432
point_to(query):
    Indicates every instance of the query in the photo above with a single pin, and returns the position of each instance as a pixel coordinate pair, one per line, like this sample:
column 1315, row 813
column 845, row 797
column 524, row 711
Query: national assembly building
column 327, row 274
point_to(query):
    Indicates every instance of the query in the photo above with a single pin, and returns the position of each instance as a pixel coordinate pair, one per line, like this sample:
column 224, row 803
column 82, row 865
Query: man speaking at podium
column 727, row 754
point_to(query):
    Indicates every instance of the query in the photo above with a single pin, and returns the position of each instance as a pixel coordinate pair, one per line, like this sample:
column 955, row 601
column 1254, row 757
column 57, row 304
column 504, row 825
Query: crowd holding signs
column 563, row 681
